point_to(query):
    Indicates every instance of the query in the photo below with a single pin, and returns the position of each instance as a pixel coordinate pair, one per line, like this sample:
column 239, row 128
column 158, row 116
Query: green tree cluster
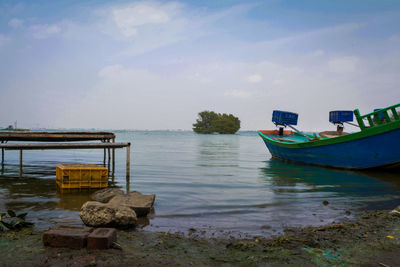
column 211, row 122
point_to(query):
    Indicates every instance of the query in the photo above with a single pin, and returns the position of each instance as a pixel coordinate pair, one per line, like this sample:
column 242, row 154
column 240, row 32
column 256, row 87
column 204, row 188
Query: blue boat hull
column 379, row 150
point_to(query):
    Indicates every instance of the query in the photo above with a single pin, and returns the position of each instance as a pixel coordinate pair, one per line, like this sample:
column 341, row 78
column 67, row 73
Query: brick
column 102, row 238
column 66, row 236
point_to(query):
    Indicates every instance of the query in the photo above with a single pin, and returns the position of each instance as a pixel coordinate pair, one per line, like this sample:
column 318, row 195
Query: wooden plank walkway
column 45, row 146
column 107, row 143
column 56, row 136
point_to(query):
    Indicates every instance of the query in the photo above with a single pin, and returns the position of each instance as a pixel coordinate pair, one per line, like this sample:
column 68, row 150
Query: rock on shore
column 98, row 214
column 396, row 211
column 138, row 202
column 104, row 195
column 113, row 208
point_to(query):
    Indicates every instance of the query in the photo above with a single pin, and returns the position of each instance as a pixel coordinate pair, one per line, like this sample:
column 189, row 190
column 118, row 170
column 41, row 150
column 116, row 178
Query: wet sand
column 372, row 240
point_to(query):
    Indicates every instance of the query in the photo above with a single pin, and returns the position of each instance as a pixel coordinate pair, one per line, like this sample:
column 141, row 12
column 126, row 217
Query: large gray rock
column 141, row 204
column 104, row 195
column 98, row 214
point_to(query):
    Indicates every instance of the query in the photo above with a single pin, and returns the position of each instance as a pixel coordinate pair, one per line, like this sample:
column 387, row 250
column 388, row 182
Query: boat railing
column 378, row 117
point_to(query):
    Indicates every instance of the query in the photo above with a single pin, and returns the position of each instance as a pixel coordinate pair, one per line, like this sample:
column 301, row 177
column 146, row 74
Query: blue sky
column 156, row 64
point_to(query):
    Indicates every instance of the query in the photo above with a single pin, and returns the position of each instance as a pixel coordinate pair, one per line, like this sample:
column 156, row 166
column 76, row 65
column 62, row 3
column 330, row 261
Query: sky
column 153, row 65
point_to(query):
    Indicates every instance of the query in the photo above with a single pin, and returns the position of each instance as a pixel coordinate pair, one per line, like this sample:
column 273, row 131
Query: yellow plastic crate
column 81, row 176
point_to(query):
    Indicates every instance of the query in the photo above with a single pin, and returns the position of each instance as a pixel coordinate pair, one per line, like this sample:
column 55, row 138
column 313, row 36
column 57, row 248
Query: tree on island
column 211, row 122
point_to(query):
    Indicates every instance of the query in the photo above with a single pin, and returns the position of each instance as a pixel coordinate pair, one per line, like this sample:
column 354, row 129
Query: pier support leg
column 113, row 160
column 109, row 159
column 104, row 160
column 2, row 161
column 20, row 163
column 128, row 166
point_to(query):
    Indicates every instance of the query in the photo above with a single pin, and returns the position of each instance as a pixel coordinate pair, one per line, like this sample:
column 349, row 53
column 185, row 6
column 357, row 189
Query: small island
column 212, row 122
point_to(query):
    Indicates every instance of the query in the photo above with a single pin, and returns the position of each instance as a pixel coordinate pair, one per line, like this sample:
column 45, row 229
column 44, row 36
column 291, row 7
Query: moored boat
column 377, row 144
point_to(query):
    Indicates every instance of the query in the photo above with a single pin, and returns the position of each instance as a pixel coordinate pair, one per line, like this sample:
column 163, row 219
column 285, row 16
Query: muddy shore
column 372, row 240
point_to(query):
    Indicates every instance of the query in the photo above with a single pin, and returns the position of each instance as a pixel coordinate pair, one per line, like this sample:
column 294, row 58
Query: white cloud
column 255, row 78
column 278, row 82
column 239, row 94
column 110, row 70
column 215, row 66
column 145, row 26
column 15, row 23
column 44, row 31
column 4, row 39
column 318, row 53
column 306, row 36
column 343, row 64
column 129, row 18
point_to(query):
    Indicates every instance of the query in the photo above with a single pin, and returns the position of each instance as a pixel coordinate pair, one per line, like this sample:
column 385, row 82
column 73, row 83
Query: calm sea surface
column 207, row 182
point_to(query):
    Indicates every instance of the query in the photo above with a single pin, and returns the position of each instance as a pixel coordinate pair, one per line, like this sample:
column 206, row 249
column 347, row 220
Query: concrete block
column 67, row 236
column 102, row 238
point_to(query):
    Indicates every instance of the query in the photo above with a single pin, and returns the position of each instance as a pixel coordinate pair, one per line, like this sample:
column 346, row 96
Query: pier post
column 128, row 166
column 128, row 186
column 109, row 157
column 128, row 160
column 20, row 163
column 113, row 159
column 2, row 154
column 104, row 160
column 2, row 159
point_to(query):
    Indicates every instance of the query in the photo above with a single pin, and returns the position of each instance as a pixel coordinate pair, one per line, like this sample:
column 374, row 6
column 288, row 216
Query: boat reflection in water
column 342, row 188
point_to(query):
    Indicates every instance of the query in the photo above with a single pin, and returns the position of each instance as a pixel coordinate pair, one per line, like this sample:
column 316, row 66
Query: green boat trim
column 376, row 126
column 374, row 119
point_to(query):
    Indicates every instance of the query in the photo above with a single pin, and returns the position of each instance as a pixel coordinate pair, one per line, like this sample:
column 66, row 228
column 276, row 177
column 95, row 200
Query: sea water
column 211, row 183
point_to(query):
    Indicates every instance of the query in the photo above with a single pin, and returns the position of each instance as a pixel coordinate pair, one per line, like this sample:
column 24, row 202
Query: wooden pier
column 107, row 142
column 56, row 136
